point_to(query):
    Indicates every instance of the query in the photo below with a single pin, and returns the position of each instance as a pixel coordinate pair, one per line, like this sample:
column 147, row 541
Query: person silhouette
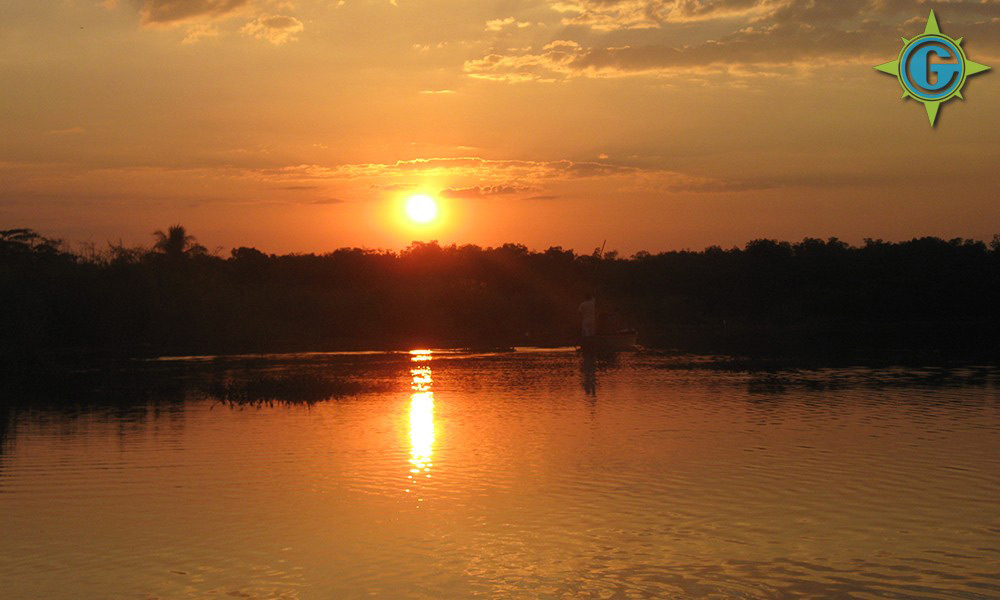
column 588, row 313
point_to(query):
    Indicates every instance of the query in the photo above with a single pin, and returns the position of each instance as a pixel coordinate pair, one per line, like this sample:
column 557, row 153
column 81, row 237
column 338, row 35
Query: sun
column 421, row 209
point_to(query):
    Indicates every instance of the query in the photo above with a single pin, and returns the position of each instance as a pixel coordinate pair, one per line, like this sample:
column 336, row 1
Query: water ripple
column 520, row 475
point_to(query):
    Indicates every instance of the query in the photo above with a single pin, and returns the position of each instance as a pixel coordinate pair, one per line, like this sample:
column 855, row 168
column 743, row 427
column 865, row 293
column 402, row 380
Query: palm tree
column 176, row 243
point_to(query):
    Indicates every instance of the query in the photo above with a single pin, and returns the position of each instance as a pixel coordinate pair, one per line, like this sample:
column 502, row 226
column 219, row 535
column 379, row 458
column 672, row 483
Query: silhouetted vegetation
column 296, row 388
column 926, row 295
column 176, row 243
column 133, row 393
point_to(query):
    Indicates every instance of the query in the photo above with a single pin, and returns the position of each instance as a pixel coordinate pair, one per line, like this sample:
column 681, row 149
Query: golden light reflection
column 421, row 421
column 420, row 355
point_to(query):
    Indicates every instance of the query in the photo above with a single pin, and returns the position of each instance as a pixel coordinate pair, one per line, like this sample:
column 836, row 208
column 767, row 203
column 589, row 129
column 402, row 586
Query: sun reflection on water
column 421, row 420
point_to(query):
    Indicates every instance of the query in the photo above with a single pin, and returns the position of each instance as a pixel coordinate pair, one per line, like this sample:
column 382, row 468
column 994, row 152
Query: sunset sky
column 302, row 126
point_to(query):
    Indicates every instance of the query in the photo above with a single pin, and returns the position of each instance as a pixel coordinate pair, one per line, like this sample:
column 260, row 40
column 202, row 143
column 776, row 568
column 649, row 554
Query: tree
column 176, row 243
column 25, row 242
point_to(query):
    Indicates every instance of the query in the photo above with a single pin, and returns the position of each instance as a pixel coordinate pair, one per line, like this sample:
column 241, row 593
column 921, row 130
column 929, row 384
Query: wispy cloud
column 501, row 24
column 610, row 15
column 464, row 166
column 201, row 19
column 555, row 61
column 277, row 29
column 767, row 36
column 485, row 191
column 172, row 12
column 199, row 31
column 498, row 177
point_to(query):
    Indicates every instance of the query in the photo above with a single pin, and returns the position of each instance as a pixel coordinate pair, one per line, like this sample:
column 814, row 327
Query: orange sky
column 656, row 124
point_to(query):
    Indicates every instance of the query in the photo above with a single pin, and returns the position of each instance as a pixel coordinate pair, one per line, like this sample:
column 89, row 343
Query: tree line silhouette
column 818, row 297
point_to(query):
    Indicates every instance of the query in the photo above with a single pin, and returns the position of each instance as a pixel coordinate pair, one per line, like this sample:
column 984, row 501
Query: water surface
column 528, row 474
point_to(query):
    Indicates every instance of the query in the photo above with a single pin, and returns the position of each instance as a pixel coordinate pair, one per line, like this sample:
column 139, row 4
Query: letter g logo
column 917, row 68
column 920, row 68
column 932, row 68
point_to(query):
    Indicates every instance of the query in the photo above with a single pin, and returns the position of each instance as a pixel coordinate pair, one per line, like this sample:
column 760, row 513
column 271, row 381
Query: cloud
column 610, row 15
column 555, row 61
column 484, row 191
column 497, row 172
column 394, row 187
column 503, row 177
column 277, row 29
column 506, row 170
column 173, row 12
column 791, row 34
column 500, row 24
column 199, row 31
column 206, row 18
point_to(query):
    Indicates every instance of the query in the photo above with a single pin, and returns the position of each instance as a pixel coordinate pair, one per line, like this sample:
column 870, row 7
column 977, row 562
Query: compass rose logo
column 932, row 68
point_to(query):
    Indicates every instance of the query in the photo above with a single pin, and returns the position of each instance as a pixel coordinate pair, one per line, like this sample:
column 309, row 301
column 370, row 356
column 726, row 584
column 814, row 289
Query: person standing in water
column 588, row 312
